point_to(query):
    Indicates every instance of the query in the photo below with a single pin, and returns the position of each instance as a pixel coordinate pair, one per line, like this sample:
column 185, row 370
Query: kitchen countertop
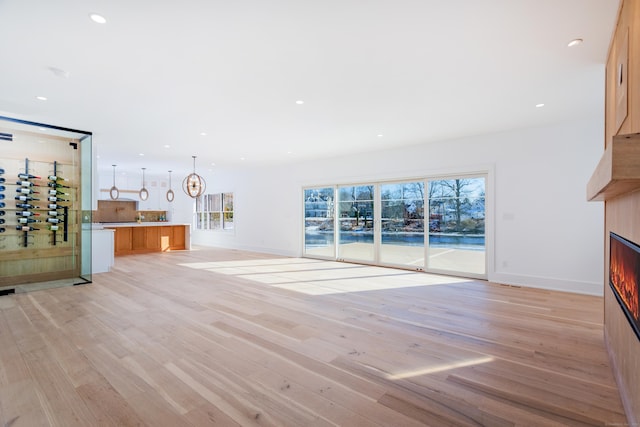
column 99, row 226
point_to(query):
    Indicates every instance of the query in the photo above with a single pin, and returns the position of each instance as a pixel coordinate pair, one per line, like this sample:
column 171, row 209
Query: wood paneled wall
column 624, row 347
column 622, row 212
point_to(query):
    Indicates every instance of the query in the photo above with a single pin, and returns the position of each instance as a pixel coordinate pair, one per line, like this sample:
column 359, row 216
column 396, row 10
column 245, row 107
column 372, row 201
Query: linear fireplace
column 624, row 277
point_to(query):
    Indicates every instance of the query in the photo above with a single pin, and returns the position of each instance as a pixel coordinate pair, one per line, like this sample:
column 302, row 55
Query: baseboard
column 552, row 284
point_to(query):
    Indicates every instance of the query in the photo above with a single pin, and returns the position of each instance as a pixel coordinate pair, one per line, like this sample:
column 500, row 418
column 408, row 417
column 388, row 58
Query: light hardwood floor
column 217, row 337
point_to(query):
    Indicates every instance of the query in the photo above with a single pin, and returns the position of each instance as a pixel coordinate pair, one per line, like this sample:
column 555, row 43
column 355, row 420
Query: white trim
column 550, row 283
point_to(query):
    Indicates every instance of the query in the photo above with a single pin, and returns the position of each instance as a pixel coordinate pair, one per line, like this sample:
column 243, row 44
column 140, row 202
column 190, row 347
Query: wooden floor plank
column 220, row 337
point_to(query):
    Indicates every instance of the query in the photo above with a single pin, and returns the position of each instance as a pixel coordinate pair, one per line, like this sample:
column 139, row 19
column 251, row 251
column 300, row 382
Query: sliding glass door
column 356, row 219
column 432, row 224
column 457, row 225
column 402, row 224
column 318, row 222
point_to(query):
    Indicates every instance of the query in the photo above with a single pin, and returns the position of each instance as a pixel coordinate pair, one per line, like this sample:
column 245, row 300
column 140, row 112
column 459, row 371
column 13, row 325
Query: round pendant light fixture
column 144, row 194
column 114, row 193
column 193, row 184
column 170, row 195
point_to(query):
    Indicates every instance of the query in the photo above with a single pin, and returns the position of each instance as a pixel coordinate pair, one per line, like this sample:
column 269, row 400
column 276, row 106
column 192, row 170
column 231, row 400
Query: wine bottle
column 1, row 179
column 1, row 204
column 54, row 227
column 56, row 185
column 1, row 229
column 25, row 183
column 25, row 228
column 25, row 190
column 56, row 178
column 54, row 220
column 57, row 192
column 2, row 188
column 27, row 176
column 25, row 198
column 56, row 199
column 27, row 213
column 1, row 213
column 53, row 206
column 1, row 196
column 26, row 220
column 1, row 220
column 24, row 206
column 53, row 213
column 1, row 171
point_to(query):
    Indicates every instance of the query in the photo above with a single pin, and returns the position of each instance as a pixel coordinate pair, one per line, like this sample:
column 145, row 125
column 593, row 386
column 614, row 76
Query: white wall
column 541, row 230
column 179, row 211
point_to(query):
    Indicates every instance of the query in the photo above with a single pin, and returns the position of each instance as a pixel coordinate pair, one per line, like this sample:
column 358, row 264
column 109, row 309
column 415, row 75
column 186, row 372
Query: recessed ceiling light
column 141, row 154
column 574, row 42
column 539, row 105
column 41, row 98
column 289, row 152
column 380, row 135
column 241, row 158
column 167, row 146
column 299, row 102
column 213, row 164
column 95, row 17
column 203, row 134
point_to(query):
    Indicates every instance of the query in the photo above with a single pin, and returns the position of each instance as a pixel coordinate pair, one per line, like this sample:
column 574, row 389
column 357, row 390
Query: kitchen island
column 145, row 237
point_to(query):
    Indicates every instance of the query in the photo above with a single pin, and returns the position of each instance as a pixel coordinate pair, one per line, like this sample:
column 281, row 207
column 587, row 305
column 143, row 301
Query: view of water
column 457, row 241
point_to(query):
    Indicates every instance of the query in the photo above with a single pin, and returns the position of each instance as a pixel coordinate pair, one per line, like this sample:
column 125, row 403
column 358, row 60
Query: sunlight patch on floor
column 318, row 277
column 439, row 368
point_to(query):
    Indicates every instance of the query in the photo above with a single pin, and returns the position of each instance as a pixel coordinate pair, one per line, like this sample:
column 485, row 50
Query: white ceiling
column 162, row 72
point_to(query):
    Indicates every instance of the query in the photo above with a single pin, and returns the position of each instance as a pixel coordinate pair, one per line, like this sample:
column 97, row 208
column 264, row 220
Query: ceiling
column 220, row 79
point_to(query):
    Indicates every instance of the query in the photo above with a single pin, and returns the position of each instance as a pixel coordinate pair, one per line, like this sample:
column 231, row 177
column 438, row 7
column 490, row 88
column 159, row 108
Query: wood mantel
column 618, row 171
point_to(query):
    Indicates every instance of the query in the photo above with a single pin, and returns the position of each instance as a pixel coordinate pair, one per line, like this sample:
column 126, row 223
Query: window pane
column 227, row 199
column 457, row 225
column 402, row 219
column 355, row 210
column 216, row 203
column 228, row 220
column 216, row 223
column 318, row 222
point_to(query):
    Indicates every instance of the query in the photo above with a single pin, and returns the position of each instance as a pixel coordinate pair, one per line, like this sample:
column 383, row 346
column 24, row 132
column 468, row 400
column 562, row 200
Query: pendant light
column 114, row 193
column 194, row 185
column 170, row 194
column 144, row 194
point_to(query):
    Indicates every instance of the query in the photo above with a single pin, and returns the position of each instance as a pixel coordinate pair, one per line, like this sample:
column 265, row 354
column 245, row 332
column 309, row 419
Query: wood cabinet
column 172, row 238
column 122, row 239
column 143, row 239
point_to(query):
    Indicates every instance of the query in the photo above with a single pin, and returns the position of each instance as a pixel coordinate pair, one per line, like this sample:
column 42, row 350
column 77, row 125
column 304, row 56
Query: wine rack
column 41, row 205
column 57, row 220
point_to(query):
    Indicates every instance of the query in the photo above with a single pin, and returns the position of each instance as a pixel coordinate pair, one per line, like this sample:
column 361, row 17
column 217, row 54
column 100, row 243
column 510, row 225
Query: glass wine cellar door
column 45, row 206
